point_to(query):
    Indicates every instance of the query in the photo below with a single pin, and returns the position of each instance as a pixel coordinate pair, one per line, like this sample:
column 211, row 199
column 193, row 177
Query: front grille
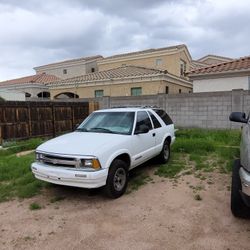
column 58, row 161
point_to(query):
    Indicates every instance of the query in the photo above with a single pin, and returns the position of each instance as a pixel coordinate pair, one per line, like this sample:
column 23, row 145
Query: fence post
column 53, row 120
column 29, row 121
column 91, row 106
column 1, row 136
column 96, row 105
column 72, row 117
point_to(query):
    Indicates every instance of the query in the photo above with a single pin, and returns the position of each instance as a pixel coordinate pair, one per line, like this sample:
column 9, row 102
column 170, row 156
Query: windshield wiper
column 102, row 130
column 82, row 129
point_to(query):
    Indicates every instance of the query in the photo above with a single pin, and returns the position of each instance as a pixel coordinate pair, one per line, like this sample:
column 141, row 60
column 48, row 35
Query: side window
column 164, row 116
column 143, row 118
column 99, row 93
column 155, row 121
column 183, row 67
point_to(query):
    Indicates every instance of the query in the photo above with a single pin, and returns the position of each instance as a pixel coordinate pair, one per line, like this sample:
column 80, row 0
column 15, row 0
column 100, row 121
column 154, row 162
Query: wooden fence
column 21, row 120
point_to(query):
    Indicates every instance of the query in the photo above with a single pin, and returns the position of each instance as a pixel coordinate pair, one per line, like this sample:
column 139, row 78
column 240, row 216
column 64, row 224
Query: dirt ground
column 161, row 215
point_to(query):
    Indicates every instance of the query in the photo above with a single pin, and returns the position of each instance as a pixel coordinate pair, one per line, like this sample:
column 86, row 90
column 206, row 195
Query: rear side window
column 143, row 118
column 155, row 121
column 164, row 116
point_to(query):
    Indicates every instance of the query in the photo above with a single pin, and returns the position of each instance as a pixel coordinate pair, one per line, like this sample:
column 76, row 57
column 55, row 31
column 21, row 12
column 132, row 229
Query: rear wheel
column 117, row 180
column 238, row 207
column 165, row 153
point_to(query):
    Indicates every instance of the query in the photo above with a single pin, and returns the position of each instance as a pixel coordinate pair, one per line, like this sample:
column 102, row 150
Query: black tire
column 238, row 207
column 117, row 180
column 164, row 156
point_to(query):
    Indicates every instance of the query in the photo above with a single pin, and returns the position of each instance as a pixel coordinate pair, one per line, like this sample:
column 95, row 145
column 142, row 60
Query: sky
column 38, row 32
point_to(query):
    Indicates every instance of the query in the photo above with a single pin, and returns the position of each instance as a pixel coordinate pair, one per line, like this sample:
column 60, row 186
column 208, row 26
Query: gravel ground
column 162, row 214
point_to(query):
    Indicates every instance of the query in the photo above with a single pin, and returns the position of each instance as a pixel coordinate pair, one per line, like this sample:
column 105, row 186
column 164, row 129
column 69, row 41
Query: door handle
column 153, row 134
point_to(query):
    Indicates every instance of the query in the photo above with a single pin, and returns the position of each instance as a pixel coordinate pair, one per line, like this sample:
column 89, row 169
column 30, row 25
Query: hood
column 81, row 143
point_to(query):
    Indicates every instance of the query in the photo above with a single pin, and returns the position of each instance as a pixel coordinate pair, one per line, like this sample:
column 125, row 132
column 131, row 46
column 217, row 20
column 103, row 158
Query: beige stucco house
column 213, row 59
column 122, row 81
column 146, row 72
column 208, row 60
column 225, row 76
column 175, row 59
column 70, row 68
column 9, row 95
column 34, row 86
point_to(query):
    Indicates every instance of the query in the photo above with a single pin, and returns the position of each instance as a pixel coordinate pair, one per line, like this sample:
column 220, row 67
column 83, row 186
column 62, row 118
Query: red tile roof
column 39, row 78
column 120, row 72
column 125, row 72
column 238, row 65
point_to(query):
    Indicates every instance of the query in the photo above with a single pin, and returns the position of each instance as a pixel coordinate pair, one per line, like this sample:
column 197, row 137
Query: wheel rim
column 166, row 151
column 119, row 179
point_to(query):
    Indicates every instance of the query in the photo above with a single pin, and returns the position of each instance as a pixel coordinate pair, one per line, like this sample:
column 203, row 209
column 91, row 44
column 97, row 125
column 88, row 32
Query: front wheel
column 238, row 207
column 117, row 180
column 165, row 153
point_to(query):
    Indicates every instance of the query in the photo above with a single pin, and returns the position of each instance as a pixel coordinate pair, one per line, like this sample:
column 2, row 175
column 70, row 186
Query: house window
column 136, row 91
column 92, row 70
column 183, row 67
column 158, row 62
column 65, row 71
column 166, row 90
column 179, row 91
column 99, row 93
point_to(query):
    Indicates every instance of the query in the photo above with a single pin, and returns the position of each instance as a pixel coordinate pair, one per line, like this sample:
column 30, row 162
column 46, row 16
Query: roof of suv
column 122, row 109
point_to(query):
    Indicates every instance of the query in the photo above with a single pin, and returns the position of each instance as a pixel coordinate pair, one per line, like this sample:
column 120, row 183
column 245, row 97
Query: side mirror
column 238, row 117
column 142, row 129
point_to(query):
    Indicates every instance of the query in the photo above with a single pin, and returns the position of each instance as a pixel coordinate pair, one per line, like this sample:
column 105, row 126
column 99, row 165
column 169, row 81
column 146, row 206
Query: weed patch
column 176, row 164
column 197, row 197
column 16, row 179
column 206, row 151
column 14, row 147
column 57, row 199
column 137, row 179
column 35, row 206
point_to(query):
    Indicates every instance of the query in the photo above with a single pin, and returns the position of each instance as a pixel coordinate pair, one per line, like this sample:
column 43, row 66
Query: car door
column 143, row 144
column 159, row 132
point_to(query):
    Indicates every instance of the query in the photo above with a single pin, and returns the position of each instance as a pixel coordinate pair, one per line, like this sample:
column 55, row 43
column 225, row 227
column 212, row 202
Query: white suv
column 102, row 150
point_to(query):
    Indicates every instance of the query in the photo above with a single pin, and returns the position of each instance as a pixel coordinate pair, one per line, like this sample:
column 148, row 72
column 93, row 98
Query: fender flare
column 115, row 155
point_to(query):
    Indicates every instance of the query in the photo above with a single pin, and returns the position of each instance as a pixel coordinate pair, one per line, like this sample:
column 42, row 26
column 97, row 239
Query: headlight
column 38, row 156
column 91, row 163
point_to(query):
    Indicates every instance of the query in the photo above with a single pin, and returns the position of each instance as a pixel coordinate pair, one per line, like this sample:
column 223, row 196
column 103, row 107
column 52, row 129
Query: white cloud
column 38, row 32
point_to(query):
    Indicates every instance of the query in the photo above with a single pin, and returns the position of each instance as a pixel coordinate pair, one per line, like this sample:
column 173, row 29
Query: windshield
column 109, row 122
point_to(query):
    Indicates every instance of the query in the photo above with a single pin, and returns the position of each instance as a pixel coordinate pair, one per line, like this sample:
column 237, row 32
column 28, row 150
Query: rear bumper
column 69, row 177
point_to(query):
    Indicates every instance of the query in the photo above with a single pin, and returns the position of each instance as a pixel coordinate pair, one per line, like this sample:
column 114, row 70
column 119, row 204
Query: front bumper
column 69, row 177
